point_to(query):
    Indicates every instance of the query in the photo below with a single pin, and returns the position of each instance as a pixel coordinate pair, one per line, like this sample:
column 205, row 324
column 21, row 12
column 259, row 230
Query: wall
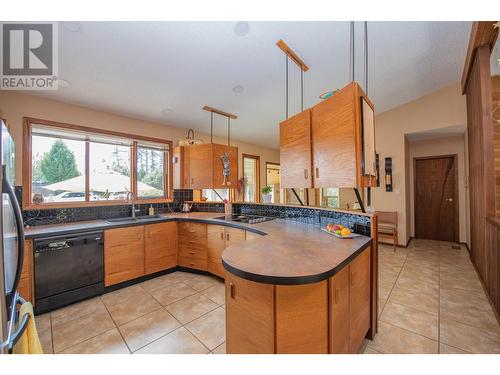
column 440, row 109
column 436, row 147
column 14, row 106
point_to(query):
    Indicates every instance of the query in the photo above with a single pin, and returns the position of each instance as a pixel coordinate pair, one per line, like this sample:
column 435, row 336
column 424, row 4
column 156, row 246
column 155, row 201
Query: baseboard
column 397, row 245
column 466, row 246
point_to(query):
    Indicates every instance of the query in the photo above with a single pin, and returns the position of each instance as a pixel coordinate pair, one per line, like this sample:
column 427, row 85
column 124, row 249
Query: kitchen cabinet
column 218, row 238
column 192, row 250
column 180, row 167
column 25, row 288
column 339, row 312
column 123, row 254
column 331, row 144
column 160, row 247
column 359, row 299
column 206, row 169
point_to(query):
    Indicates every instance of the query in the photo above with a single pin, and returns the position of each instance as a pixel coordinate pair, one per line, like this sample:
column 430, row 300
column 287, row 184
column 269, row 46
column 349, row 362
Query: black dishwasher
column 68, row 269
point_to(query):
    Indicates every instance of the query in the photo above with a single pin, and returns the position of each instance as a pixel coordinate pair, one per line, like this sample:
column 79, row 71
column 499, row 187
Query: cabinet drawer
column 190, row 230
column 193, row 252
column 190, row 262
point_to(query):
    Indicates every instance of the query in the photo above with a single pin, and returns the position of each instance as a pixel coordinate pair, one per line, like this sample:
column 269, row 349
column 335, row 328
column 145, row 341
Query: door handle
column 221, row 236
column 449, row 199
column 231, row 290
column 306, row 174
column 317, row 172
column 227, row 237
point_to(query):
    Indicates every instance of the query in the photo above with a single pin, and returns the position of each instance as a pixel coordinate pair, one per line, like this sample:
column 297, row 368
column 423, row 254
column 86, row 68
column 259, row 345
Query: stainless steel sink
column 134, row 219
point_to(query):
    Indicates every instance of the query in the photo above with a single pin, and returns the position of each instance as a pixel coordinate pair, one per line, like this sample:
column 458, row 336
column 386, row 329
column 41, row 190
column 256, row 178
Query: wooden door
column 215, row 246
column 123, row 254
column 339, row 312
column 160, row 247
column 218, row 177
column 200, row 166
column 295, row 151
column 333, row 125
column 249, row 316
column 436, row 206
column 359, row 300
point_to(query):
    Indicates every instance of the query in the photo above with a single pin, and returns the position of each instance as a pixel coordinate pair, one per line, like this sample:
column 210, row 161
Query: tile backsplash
column 358, row 223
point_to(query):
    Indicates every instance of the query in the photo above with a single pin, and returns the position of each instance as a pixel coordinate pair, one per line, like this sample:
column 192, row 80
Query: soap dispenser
column 151, row 211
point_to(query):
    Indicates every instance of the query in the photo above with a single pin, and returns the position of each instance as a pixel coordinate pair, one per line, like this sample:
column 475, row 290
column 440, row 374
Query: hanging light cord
column 229, row 131
column 366, row 57
column 301, row 90
column 211, row 127
column 351, row 52
column 286, row 84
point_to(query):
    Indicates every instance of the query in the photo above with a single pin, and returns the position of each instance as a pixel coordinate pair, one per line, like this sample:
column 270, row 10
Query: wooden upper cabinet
column 123, row 254
column 359, row 298
column 180, row 167
column 160, row 247
column 330, row 145
column 206, row 168
column 295, row 151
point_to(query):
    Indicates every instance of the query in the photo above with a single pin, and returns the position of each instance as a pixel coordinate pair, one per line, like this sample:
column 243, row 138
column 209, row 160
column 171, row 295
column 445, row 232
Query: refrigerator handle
column 7, row 189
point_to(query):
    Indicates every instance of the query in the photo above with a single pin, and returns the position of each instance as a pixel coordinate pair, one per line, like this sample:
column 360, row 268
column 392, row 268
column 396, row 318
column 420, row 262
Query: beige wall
column 437, row 110
column 14, row 106
column 435, row 147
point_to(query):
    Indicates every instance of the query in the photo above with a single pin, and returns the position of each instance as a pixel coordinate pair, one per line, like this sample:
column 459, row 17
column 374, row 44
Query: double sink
column 136, row 219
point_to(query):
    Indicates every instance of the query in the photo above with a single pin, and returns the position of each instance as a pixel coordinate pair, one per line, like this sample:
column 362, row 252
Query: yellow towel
column 29, row 343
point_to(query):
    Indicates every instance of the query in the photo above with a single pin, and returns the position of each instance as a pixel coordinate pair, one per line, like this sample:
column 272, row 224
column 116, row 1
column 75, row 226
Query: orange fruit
column 345, row 232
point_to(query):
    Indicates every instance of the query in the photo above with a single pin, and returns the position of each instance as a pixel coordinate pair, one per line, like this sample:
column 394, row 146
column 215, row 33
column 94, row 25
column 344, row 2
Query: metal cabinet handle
column 306, row 173
column 221, row 235
column 231, row 290
column 227, row 237
column 317, row 172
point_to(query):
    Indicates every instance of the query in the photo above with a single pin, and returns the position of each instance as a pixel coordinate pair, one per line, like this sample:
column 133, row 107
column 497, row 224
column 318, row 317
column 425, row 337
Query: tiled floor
column 176, row 313
column 431, row 301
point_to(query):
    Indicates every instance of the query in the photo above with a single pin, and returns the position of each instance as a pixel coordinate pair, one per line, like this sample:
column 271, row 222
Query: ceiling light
column 62, row 83
column 72, row 26
column 238, row 89
column 242, row 28
column 167, row 111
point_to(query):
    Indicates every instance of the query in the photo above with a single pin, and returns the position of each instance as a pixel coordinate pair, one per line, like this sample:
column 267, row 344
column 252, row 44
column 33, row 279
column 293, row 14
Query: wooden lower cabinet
column 339, row 312
column 123, row 254
column 160, row 247
column 192, row 251
column 25, row 288
column 215, row 247
column 249, row 316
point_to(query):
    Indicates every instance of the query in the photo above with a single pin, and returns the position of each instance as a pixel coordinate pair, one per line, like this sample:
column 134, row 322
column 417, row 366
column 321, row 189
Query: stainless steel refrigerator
column 11, row 248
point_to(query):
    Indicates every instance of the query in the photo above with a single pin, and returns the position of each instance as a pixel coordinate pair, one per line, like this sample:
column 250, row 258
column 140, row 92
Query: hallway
column 431, row 301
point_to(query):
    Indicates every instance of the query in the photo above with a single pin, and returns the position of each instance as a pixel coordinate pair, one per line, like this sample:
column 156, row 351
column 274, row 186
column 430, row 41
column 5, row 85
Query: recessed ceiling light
column 167, row 111
column 72, row 26
column 242, row 28
column 62, row 83
column 238, row 89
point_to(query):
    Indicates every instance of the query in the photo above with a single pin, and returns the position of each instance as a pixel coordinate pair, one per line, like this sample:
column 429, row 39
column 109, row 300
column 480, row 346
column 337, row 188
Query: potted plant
column 266, row 194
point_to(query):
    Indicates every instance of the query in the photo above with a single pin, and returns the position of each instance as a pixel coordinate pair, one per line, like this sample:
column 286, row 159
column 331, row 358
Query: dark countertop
column 288, row 252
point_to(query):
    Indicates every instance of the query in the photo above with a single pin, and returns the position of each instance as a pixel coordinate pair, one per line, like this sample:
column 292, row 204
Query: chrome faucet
column 131, row 198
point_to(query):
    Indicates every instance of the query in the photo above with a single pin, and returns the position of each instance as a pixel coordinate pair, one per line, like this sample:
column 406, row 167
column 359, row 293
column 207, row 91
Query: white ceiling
column 166, row 71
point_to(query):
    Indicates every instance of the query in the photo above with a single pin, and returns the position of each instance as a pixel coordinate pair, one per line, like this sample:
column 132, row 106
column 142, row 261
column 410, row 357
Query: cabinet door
column 218, row 178
column 180, row 167
column 250, row 303
column 334, row 140
column 295, row 151
column 234, row 236
column 359, row 296
column 200, row 166
column 339, row 312
column 215, row 246
column 161, row 247
column 26, row 282
column 123, row 254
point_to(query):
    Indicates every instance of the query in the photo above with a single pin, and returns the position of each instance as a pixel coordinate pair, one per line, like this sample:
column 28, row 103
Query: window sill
column 55, row 205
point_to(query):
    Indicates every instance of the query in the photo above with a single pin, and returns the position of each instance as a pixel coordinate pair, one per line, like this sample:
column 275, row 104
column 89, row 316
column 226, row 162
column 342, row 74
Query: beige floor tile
column 469, row 307
column 132, row 308
column 45, row 337
column 369, row 350
column 178, row 276
column 446, row 349
column 180, row 341
column 173, row 292
column 43, row 322
column 221, row 349
column 461, row 280
column 210, row 329
column 74, row 331
column 420, row 298
column 387, row 277
column 469, row 338
column 77, row 310
column 109, row 342
column 421, row 322
column 123, row 294
column 190, row 308
column 148, row 328
column 158, row 283
column 202, row 282
column 394, row 340
column 216, row 293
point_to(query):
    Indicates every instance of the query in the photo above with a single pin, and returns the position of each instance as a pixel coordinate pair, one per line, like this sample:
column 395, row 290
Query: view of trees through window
column 58, row 169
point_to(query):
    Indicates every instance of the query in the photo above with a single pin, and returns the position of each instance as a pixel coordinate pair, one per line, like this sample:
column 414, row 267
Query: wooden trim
column 482, row 33
column 219, row 112
column 257, row 175
column 28, row 122
column 374, row 279
column 292, row 55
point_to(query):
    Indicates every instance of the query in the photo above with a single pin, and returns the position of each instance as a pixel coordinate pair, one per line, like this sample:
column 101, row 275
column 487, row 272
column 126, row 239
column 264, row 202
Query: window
column 73, row 165
column 215, row 195
column 273, row 180
column 251, row 178
column 330, row 197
